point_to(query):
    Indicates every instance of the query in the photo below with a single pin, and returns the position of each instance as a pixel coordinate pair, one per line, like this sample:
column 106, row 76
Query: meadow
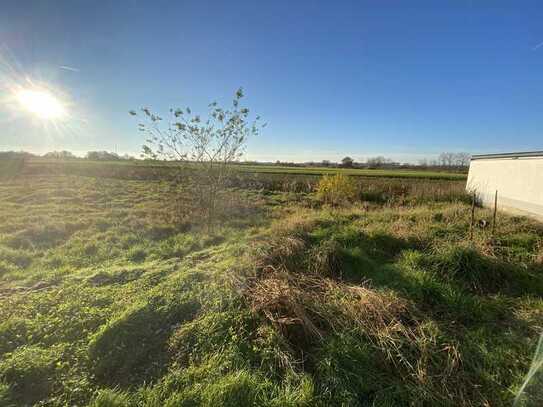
column 138, row 168
column 112, row 293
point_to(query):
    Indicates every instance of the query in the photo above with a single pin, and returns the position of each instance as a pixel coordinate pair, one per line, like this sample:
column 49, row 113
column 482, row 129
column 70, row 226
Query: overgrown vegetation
column 108, row 299
column 336, row 190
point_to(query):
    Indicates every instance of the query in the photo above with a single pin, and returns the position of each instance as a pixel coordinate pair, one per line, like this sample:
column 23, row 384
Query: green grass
column 10, row 167
column 386, row 173
column 125, row 168
column 106, row 299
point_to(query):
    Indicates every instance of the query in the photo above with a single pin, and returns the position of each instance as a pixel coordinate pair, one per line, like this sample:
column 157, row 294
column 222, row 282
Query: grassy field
column 109, row 296
column 10, row 168
column 388, row 173
column 41, row 165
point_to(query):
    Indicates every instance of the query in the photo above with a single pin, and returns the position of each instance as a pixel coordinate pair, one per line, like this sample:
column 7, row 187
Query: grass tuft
column 30, row 370
column 111, row 398
column 132, row 347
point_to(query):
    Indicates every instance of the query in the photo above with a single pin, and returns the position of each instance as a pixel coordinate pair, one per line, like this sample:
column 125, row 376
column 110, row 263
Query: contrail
column 69, row 68
column 537, row 46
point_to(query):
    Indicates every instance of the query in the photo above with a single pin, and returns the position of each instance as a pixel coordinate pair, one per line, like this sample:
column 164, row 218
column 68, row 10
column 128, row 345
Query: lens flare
column 32, row 99
column 41, row 103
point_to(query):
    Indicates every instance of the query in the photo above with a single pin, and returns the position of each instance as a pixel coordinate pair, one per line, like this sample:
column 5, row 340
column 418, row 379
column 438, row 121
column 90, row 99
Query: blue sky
column 402, row 79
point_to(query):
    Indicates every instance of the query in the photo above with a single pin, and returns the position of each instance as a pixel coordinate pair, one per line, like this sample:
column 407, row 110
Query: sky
column 403, row 79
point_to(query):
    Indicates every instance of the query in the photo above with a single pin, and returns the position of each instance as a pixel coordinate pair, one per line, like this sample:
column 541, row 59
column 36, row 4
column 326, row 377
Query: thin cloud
column 69, row 68
column 537, row 46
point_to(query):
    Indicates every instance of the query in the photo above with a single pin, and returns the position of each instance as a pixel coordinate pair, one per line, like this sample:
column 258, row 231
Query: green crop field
column 113, row 292
column 78, row 165
column 388, row 173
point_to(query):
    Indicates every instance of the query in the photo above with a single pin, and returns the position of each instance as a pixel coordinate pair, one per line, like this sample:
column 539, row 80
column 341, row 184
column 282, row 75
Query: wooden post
column 472, row 222
column 495, row 210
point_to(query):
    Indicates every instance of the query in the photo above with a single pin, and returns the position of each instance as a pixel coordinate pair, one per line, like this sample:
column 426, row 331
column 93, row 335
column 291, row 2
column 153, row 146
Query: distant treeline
column 12, row 155
column 67, row 155
column 445, row 160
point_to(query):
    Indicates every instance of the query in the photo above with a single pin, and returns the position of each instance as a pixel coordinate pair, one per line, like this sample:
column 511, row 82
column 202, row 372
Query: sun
column 41, row 103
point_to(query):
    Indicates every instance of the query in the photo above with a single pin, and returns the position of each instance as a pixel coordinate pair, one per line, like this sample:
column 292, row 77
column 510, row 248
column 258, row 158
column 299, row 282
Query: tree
column 378, row 161
column 447, row 159
column 60, row 155
column 347, row 162
column 423, row 162
column 204, row 148
column 15, row 155
column 101, row 156
column 463, row 159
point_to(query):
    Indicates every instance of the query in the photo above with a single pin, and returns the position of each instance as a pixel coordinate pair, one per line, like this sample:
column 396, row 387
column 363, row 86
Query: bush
column 337, row 190
column 206, row 147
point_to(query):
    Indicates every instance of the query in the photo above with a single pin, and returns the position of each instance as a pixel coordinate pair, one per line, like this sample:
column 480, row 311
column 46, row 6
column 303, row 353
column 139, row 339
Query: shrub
column 206, row 147
column 337, row 190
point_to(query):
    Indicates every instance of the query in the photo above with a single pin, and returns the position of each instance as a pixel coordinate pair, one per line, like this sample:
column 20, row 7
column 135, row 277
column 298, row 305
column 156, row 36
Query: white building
column 518, row 178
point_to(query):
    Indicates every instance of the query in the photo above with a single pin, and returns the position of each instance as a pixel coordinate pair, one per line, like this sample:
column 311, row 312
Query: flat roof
column 508, row 155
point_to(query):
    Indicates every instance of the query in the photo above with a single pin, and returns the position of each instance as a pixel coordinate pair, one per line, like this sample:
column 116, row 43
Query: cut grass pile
column 105, row 301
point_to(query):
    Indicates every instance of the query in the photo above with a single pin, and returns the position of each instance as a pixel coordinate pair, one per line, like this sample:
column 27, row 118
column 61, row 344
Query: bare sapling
column 204, row 148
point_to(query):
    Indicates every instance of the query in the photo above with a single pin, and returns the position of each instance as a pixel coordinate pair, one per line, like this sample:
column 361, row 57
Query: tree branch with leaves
column 207, row 147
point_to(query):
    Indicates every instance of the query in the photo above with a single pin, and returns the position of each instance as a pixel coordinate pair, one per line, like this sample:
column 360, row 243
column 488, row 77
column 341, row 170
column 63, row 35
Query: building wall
column 519, row 183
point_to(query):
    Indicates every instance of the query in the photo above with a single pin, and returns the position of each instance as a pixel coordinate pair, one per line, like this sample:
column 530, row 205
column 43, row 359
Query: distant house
column 518, row 178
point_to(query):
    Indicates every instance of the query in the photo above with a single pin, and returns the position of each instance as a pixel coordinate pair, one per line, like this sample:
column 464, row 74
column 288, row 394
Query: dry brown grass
column 299, row 284
column 286, row 304
column 288, row 242
column 299, row 290
column 306, row 308
column 318, row 305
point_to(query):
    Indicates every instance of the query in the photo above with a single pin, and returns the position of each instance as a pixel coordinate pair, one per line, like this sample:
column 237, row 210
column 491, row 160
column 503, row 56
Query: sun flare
column 41, row 103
